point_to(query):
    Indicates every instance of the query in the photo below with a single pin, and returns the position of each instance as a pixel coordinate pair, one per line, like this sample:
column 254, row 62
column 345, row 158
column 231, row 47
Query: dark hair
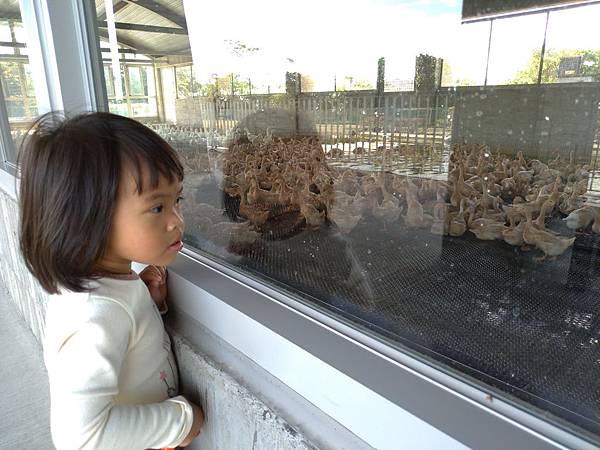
column 69, row 177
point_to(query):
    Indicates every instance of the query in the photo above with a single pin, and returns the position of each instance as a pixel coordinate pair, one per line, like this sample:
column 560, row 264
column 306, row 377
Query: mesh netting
column 487, row 308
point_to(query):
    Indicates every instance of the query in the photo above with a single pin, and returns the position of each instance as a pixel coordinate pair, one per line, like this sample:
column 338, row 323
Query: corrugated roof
column 168, row 15
column 153, row 13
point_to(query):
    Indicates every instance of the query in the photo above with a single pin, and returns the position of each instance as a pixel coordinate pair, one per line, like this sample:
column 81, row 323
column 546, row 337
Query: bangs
column 140, row 162
column 146, row 150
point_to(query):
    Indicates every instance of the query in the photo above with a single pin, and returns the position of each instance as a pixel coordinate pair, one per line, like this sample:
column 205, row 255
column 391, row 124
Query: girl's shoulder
column 127, row 291
column 119, row 300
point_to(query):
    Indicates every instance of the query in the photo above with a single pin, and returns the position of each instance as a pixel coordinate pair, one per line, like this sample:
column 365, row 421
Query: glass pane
column 136, row 85
column 513, row 53
column 375, row 176
column 16, row 79
column 574, row 56
column 110, row 87
column 143, row 107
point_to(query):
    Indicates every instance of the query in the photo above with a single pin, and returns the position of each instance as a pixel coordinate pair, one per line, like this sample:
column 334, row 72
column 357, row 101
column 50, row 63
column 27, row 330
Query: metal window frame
column 388, row 397
column 415, row 390
column 64, row 47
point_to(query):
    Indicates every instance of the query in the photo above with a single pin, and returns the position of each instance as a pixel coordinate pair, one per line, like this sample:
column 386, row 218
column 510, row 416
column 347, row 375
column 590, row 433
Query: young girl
column 97, row 192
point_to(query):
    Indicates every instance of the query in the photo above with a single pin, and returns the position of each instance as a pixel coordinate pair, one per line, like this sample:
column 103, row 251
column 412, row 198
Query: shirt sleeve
column 83, row 378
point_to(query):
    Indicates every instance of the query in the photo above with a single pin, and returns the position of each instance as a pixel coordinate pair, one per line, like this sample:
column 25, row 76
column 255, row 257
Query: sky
column 340, row 38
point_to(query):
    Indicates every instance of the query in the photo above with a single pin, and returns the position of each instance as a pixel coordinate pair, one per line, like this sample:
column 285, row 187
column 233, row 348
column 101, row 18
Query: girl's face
column 146, row 228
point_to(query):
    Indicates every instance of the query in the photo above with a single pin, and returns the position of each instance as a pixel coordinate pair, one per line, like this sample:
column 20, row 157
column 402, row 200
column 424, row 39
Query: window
column 133, row 92
column 341, row 167
column 16, row 78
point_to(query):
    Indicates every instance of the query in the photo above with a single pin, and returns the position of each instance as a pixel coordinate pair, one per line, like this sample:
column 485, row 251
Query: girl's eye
column 179, row 200
column 157, row 209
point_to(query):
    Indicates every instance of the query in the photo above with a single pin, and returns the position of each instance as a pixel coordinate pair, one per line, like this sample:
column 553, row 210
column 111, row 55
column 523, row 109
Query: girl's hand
column 155, row 277
column 196, row 425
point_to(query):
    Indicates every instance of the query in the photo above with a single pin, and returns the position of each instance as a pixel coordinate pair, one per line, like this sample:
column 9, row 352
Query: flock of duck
column 495, row 197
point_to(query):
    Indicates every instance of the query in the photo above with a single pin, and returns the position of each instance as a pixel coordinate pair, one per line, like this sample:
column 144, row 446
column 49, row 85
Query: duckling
column 344, row 219
column 253, row 138
column 514, row 234
column 487, row 229
column 551, row 244
column 314, row 218
column 458, row 225
column 440, row 225
column 256, row 195
column 389, row 210
column 415, row 218
column 570, row 203
column 596, row 224
column 547, row 208
column 580, row 218
column 347, row 183
column 223, row 233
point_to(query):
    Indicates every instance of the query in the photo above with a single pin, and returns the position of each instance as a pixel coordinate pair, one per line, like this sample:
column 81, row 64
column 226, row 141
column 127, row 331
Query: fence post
column 293, row 87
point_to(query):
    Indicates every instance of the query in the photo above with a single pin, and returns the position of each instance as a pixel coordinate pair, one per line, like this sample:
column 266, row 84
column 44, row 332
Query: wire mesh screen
column 483, row 307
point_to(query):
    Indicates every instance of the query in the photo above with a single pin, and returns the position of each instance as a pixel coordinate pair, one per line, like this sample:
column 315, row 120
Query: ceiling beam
column 136, row 48
column 146, row 28
column 8, row 14
column 126, row 42
column 116, row 8
column 163, row 11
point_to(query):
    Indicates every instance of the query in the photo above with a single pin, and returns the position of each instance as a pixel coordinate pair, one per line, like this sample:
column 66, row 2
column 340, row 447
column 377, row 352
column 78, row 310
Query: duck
column 580, row 218
column 552, row 245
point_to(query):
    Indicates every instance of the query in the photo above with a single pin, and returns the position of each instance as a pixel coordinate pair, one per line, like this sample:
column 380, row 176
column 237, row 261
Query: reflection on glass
column 133, row 93
column 458, row 221
column 15, row 76
column 515, row 46
column 574, row 56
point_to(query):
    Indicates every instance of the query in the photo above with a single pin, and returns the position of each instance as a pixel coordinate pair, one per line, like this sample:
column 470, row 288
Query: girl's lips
column 176, row 246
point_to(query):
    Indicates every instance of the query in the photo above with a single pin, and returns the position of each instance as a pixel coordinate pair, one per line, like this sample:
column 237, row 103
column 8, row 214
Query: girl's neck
column 116, row 269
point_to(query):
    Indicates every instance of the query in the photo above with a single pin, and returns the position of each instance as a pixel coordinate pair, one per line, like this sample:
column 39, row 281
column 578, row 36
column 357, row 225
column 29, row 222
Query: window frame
column 210, row 292
column 417, row 393
column 125, row 66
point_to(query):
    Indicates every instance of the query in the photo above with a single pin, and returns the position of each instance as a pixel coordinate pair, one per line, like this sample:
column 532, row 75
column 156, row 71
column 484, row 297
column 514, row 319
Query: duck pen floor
column 485, row 308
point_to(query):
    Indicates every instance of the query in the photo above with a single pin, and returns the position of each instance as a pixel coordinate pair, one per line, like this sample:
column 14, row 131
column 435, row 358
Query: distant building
column 569, row 70
column 399, row 85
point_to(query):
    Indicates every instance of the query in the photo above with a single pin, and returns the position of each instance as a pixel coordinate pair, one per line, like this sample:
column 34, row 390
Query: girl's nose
column 176, row 220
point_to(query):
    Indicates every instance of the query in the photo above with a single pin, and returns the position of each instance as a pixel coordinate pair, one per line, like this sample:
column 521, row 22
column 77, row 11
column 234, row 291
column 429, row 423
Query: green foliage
column 187, row 86
column 229, row 84
column 362, row 85
column 529, row 75
column 307, row 83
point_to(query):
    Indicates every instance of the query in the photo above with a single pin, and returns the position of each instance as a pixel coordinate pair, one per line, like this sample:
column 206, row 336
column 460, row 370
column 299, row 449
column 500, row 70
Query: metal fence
column 354, row 128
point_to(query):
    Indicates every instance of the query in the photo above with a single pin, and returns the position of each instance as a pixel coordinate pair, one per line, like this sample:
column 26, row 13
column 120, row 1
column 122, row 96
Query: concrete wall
column 538, row 120
column 236, row 418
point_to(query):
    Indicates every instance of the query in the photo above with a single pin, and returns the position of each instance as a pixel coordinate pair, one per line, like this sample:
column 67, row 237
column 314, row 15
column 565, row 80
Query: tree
column 447, row 79
column 229, row 84
column 529, row 75
column 362, row 85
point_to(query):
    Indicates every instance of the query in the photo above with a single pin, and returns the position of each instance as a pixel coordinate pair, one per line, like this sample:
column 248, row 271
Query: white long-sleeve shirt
column 113, row 378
